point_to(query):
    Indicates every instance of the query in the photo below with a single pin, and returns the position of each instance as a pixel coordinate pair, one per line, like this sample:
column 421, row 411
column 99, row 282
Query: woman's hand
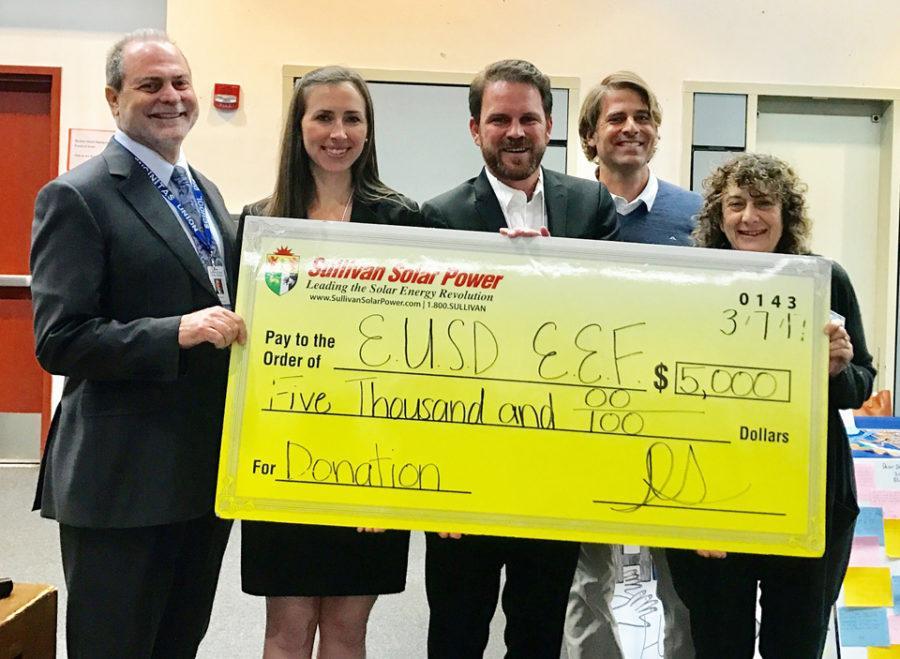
column 368, row 529
column 711, row 553
column 454, row 536
column 840, row 349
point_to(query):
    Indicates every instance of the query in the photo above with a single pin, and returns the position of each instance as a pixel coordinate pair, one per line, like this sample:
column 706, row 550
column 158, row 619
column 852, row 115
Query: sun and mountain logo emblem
column 281, row 270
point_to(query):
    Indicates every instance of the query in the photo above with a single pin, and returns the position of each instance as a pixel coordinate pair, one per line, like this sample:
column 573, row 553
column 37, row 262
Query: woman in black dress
column 756, row 203
column 318, row 577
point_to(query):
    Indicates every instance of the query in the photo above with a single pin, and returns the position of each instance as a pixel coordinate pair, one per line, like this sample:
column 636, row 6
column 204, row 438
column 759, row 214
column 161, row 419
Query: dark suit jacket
column 576, row 208
column 135, row 439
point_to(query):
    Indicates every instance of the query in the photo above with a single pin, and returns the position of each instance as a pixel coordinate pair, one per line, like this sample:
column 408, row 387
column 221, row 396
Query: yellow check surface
column 541, row 388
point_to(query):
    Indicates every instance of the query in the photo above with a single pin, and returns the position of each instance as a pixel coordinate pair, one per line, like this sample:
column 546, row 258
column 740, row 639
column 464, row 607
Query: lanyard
column 203, row 233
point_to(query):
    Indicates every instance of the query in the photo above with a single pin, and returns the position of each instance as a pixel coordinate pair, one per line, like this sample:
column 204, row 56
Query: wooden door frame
column 55, row 74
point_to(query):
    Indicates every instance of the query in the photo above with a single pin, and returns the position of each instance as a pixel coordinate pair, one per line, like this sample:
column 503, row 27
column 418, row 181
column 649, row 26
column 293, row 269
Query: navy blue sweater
column 669, row 223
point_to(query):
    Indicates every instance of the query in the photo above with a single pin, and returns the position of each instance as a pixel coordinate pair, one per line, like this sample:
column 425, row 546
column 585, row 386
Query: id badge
column 220, row 284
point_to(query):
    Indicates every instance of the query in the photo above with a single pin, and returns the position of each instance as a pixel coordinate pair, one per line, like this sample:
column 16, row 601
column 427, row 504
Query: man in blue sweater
column 619, row 128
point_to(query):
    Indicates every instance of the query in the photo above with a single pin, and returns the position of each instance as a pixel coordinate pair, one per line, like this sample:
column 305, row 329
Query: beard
column 518, row 166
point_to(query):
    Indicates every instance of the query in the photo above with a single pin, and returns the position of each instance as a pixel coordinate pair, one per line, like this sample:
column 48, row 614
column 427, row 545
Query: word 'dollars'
column 351, row 269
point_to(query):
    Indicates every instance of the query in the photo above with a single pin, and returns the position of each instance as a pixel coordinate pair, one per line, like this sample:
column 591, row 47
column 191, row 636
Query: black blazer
column 395, row 211
column 576, row 208
column 135, row 439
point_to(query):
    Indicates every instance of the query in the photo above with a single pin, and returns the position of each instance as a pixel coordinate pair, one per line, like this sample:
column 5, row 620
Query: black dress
column 305, row 560
column 797, row 593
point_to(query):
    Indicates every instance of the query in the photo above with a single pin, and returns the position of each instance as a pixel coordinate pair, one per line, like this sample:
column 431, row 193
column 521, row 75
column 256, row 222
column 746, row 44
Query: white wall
column 667, row 41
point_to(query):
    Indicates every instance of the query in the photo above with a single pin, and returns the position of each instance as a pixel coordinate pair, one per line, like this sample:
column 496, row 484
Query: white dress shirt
column 519, row 211
column 648, row 196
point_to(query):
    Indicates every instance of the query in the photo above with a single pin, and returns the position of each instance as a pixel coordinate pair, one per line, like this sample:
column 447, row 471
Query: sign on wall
column 85, row 143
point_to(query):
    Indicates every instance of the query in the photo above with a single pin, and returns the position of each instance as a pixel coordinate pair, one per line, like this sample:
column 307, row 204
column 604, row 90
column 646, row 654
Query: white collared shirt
column 163, row 169
column 516, row 207
column 648, row 196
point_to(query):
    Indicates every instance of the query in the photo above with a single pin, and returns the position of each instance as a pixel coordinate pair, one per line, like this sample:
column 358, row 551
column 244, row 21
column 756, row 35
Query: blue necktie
column 184, row 192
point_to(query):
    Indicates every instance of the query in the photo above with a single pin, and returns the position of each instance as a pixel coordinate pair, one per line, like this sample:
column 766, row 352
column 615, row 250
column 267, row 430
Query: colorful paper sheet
column 895, row 586
column 868, row 586
column 867, row 552
column 870, row 523
column 894, row 628
column 863, row 627
column 892, row 537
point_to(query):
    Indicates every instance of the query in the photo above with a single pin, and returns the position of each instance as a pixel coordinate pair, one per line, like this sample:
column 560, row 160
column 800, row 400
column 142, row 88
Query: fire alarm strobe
column 226, row 97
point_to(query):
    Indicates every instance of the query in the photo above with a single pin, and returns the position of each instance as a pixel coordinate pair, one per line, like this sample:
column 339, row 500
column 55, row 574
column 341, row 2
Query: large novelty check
column 552, row 388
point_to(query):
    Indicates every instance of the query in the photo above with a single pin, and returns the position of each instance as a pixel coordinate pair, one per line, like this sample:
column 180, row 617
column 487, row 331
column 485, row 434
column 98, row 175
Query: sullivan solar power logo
column 281, row 270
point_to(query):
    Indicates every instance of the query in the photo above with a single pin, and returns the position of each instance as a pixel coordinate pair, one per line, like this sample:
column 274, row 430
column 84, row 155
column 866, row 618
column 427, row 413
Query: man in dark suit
column 510, row 105
column 128, row 251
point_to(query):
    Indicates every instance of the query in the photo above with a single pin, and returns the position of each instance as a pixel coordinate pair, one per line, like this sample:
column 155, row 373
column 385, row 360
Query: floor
column 29, row 552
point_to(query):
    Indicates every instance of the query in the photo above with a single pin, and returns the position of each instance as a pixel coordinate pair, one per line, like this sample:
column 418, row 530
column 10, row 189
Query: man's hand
column 216, row 325
column 522, row 232
column 369, row 529
column 455, row 536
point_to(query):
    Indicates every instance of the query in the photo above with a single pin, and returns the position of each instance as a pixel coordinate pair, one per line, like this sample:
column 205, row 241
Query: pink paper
column 866, row 552
column 865, row 474
column 884, row 498
column 865, row 480
column 894, row 629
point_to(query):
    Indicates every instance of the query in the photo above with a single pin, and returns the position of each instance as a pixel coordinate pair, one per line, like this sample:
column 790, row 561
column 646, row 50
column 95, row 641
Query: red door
column 29, row 135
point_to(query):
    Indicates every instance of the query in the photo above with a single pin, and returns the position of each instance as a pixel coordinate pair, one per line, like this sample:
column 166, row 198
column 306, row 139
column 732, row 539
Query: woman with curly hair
column 756, row 203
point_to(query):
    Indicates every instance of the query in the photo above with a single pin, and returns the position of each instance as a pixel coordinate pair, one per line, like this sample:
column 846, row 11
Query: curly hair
column 759, row 174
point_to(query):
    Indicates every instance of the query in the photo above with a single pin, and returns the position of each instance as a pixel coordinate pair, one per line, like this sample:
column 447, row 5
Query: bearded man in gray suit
column 129, row 253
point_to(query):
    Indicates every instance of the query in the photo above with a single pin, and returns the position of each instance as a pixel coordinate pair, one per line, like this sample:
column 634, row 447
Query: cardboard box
column 28, row 622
